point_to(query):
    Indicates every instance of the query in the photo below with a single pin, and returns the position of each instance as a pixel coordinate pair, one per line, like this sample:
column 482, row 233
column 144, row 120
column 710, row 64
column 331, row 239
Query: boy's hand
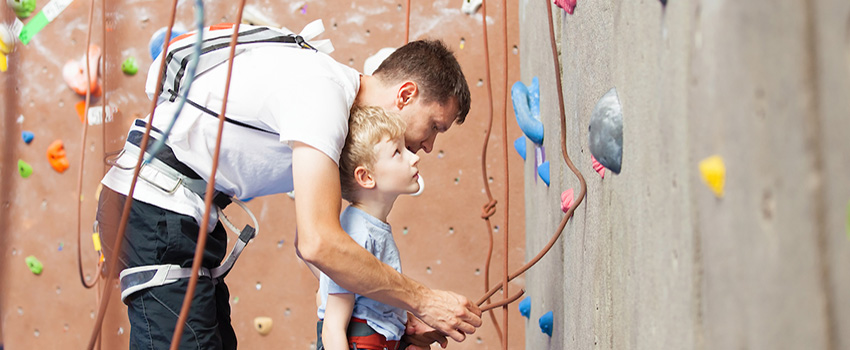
column 420, row 336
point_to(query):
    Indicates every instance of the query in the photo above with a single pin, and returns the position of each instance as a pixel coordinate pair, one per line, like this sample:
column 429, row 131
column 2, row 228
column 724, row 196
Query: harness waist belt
column 138, row 278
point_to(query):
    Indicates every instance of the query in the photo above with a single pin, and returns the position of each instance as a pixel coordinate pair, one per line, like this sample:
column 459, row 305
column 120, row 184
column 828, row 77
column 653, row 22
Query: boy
column 375, row 168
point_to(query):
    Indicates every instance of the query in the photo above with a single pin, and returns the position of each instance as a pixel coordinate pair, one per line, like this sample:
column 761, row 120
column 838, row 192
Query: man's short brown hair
column 434, row 68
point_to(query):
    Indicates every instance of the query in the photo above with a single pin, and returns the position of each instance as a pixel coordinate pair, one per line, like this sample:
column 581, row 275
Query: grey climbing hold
column 606, row 131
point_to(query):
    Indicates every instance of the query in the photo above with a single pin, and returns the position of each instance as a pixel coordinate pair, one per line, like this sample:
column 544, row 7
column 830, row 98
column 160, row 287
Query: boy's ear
column 364, row 178
column 406, row 93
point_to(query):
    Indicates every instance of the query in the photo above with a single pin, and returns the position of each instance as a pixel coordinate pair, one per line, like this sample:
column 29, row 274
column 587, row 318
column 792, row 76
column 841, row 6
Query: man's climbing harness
column 167, row 174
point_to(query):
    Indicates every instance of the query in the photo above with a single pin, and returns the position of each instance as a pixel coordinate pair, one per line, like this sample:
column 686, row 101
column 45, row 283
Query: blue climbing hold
column 27, row 136
column 519, row 145
column 543, row 171
column 526, row 101
column 606, row 131
column 525, row 307
column 546, row 323
column 534, row 98
column 158, row 38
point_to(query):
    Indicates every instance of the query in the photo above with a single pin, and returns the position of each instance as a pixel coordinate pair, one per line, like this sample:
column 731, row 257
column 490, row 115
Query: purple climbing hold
column 27, row 136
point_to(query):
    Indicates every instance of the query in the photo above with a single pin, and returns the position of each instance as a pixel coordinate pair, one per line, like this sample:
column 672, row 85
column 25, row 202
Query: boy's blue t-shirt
column 377, row 237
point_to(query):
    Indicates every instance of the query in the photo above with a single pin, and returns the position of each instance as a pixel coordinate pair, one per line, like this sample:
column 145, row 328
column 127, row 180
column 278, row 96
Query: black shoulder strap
column 214, row 114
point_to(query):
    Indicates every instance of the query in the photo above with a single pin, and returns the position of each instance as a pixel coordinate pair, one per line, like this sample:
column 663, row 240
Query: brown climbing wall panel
column 442, row 238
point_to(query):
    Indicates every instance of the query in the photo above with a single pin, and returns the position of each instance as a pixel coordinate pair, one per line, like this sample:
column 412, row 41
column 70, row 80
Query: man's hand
column 450, row 314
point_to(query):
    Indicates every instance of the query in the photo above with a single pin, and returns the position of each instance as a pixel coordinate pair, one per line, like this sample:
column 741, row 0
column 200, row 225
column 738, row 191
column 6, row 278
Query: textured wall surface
column 652, row 259
column 443, row 240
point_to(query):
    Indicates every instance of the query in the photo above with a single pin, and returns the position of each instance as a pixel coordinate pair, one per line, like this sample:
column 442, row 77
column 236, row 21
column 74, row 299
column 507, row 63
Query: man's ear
column 406, row 93
column 364, row 178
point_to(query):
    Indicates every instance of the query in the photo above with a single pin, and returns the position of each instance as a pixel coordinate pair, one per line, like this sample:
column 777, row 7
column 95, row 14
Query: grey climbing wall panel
column 652, row 259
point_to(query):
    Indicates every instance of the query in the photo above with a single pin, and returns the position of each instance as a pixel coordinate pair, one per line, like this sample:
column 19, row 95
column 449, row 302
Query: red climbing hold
column 567, row 5
column 598, row 167
column 56, row 156
column 567, row 200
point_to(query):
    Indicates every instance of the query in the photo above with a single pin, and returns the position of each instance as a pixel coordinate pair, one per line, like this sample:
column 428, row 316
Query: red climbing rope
column 128, row 202
column 210, row 192
column 583, row 184
column 505, row 236
column 490, row 208
column 83, row 155
column 407, row 24
column 103, row 88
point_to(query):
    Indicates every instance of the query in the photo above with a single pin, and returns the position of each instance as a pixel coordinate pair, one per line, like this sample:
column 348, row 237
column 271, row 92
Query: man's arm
column 335, row 325
column 323, row 243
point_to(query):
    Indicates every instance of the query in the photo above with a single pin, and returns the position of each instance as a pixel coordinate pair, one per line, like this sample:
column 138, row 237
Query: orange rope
column 103, row 88
column 582, row 183
column 128, row 202
column 210, row 193
column 490, row 208
column 407, row 25
column 85, row 130
column 507, row 176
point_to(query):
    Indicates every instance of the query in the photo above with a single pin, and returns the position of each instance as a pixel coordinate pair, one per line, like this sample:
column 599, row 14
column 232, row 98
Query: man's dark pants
column 157, row 236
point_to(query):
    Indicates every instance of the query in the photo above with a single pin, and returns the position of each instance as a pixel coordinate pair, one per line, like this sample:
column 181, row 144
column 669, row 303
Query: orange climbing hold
column 56, row 156
column 597, row 166
column 74, row 73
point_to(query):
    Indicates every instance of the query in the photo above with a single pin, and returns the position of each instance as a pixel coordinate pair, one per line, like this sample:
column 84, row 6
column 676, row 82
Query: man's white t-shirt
column 302, row 95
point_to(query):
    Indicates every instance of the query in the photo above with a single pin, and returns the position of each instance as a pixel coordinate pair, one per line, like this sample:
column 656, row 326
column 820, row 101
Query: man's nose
column 428, row 144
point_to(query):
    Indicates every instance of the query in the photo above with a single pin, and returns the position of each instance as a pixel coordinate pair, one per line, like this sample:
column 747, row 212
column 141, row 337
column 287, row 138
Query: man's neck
column 372, row 93
column 375, row 205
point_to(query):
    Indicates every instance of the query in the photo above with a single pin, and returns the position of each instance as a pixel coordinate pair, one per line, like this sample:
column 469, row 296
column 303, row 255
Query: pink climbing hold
column 567, row 200
column 598, row 167
column 567, row 5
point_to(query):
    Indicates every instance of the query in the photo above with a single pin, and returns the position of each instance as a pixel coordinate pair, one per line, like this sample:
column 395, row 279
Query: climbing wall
column 441, row 235
column 653, row 258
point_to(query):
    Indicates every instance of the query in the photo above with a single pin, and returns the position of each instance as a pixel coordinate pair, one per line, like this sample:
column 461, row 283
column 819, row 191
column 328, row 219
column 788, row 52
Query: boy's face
column 396, row 169
column 425, row 121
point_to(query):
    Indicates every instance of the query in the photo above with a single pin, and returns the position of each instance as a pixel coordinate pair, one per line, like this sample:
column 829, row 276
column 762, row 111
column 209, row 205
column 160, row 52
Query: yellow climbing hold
column 263, row 325
column 714, row 174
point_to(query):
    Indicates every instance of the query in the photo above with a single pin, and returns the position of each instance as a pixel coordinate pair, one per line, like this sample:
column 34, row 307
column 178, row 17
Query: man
column 287, row 110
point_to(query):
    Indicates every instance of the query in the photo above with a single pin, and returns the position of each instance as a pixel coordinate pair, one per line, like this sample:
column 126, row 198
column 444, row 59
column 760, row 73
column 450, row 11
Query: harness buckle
column 303, row 43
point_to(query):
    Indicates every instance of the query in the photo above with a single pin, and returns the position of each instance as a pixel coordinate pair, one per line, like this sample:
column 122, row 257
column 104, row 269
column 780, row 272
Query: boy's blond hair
column 367, row 126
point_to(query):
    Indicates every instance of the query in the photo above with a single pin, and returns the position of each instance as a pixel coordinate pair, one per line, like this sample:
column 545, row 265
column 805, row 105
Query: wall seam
column 814, row 138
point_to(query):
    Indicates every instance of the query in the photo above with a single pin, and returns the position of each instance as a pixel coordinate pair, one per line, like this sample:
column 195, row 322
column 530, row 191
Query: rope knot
column 488, row 209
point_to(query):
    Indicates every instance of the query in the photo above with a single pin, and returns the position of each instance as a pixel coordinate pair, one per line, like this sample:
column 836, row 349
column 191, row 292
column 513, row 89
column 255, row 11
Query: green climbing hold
column 130, row 67
column 24, row 168
column 34, row 265
column 22, row 8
